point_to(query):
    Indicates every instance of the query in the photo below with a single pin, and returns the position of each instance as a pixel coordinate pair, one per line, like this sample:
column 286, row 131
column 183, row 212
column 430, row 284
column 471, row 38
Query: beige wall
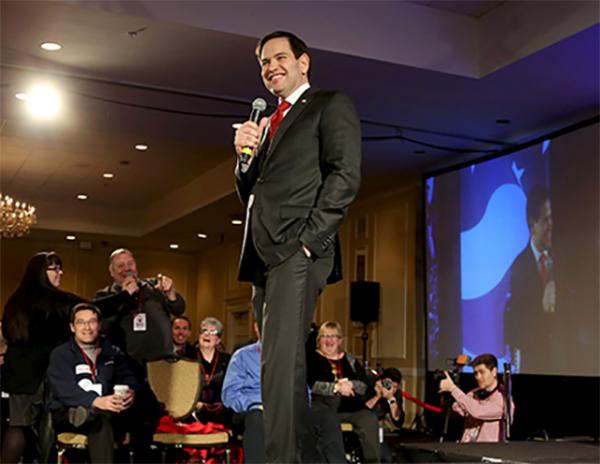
column 383, row 228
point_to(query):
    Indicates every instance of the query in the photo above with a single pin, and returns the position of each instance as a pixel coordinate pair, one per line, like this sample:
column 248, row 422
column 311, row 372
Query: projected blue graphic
column 511, row 253
column 488, row 249
column 493, row 232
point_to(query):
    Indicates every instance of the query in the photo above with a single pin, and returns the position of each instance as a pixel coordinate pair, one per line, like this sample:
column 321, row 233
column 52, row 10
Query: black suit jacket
column 527, row 326
column 298, row 188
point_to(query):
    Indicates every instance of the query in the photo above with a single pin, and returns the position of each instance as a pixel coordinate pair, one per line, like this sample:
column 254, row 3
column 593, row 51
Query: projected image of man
column 531, row 314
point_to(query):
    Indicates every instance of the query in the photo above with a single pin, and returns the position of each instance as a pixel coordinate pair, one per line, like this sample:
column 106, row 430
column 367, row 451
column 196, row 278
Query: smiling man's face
column 281, row 71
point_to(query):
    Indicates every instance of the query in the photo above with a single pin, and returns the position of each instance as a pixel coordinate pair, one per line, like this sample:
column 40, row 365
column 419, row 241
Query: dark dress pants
column 254, row 437
column 366, row 427
column 286, row 303
column 97, row 427
column 328, row 422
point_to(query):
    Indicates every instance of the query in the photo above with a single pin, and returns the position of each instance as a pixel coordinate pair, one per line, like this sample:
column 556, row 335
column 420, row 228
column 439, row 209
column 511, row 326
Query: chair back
column 176, row 384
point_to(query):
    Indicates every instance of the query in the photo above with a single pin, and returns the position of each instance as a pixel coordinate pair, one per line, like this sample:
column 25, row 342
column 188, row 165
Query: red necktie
column 277, row 118
column 543, row 270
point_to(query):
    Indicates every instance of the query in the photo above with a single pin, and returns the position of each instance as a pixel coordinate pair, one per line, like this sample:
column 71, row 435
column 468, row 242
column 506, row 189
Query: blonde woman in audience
column 338, row 384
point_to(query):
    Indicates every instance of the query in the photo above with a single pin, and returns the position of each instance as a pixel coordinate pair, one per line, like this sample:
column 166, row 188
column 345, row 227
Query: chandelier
column 16, row 217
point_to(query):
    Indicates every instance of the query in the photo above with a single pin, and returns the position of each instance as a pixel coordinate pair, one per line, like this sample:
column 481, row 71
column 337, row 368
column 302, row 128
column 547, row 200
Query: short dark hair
column 183, row 318
column 296, row 43
column 535, row 200
column 489, row 360
column 393, row 374
column 85, row 307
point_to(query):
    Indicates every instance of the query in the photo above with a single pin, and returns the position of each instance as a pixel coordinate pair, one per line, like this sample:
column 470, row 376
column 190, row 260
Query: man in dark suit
column 530, row 324
column 181, row 329
column 303, row 173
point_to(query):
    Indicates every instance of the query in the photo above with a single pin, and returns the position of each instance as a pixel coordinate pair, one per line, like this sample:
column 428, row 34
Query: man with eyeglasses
column 83, row 374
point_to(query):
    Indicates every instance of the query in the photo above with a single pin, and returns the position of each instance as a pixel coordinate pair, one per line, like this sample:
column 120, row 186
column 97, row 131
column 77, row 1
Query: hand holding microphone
column 130, row 284
column 248, row 134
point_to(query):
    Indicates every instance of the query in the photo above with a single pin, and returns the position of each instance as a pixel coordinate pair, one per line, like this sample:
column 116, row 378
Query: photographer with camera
column 386, row 402
column 387, row 397
column 138, row 321
column 482, row 408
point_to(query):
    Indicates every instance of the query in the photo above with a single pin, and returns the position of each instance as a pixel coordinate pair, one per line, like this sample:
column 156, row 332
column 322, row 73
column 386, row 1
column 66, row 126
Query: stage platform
column 505, row 453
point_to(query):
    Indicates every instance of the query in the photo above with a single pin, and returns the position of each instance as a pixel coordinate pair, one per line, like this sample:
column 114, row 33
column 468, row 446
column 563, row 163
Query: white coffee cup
column 121, row 390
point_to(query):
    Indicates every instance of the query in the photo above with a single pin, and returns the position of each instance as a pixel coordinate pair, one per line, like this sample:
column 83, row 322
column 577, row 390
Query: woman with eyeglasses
column 34, row 322
column 213, row 364
column 338, row 384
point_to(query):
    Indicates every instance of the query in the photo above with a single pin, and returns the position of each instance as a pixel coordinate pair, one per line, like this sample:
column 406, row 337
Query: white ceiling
column 178, row 87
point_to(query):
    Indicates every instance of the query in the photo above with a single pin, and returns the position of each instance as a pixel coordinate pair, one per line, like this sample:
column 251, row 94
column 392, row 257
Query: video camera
column 454, row 372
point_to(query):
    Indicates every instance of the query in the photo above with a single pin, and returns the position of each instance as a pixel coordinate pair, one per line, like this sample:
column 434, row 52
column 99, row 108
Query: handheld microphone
column 258, row 106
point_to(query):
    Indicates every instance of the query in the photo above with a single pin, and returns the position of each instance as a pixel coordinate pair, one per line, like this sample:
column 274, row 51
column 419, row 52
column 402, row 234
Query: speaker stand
column 365, row 339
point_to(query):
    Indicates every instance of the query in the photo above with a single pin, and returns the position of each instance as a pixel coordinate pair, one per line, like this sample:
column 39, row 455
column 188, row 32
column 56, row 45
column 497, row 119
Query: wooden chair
column 176, row 384
column 79, row 441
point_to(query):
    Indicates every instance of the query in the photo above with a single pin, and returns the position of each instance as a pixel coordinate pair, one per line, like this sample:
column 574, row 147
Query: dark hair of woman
column 35, row 292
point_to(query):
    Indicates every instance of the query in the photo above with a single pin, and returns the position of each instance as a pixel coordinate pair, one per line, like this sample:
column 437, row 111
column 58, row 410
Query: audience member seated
column 338, row 385
column 181, row 328
column 242, row 394
column 386, row 402
column 484, row 407
column 91, row 384
column 213, row 364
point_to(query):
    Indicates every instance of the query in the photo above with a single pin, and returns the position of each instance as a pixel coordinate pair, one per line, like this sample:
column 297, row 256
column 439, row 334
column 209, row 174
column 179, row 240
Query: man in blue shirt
column 241, row 392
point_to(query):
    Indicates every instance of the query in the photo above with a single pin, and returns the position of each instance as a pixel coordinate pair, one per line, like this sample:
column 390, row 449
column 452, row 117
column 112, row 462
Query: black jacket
column 302, row 183
column 68, row 378
column 119, row 308
column 26, row 362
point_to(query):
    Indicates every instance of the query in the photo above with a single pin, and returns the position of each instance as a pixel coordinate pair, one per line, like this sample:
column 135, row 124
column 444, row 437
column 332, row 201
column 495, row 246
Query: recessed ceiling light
column 202, row 236
column 108, row 175
column 71, row 238
column 141, row 147
column 51, row 46
column 82, row 196
column 43, row 101
column 173, row 246
column 237, row 222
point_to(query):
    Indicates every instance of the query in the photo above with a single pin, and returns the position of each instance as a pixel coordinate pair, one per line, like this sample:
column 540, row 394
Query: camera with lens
column 454, row 373
column 387, row 384
column 151, row 281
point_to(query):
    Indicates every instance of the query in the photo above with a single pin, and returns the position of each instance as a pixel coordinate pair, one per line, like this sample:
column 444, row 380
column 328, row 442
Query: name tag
column 87, row 385
column 82, row 369
column 139, row 322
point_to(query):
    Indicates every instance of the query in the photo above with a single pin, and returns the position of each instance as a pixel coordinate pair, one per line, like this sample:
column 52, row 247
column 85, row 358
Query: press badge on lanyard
column 139, row 322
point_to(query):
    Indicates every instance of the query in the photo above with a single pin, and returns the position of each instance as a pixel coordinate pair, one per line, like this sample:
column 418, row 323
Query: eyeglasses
column 56, row 269
column 332, row 336
column 209, row 332
column 90, row 323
